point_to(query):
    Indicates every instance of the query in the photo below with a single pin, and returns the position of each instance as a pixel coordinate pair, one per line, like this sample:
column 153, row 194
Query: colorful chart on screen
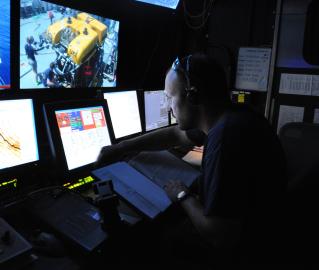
column 83, row 132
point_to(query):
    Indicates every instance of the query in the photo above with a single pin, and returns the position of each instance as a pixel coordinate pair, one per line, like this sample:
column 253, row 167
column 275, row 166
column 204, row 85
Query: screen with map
column 18, row 140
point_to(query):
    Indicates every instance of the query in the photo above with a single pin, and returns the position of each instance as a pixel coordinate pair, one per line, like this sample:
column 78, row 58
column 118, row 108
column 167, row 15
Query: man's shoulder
column 244, row 116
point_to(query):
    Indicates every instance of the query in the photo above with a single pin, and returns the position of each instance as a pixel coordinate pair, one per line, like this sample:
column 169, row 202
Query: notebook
column 140, row 181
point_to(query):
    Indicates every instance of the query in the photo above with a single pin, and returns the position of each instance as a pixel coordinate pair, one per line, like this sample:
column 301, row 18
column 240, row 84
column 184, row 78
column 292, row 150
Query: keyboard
column 70, row 215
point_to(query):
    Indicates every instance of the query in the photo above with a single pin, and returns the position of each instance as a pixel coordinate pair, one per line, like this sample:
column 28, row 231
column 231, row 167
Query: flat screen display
column 83, row 132
column 18, row 139
column 124, row 111
column 65, row 48
column 162, row 3
column 156, row 115
column 5, row 44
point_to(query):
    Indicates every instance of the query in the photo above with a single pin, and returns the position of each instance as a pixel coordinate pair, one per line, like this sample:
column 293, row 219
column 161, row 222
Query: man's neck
column 211, row 116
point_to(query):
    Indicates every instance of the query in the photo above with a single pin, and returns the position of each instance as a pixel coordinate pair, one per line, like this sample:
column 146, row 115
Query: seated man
column 49, row 78
column 235, row 213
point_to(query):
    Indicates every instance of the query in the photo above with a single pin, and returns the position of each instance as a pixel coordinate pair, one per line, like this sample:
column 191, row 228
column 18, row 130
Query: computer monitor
column 62, row 47
column 156, row 115
column 18, row 138
column 5, row 45
column 124, row 111
column 162, row 3
column 77, row 132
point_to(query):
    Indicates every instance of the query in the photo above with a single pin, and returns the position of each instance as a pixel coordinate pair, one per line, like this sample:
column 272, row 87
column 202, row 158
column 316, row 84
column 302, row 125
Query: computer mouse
column 48, row 244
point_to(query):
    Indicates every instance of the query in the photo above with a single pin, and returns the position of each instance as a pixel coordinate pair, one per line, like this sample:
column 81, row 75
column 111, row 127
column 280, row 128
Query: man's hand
column 174, row 187
column 109, row 154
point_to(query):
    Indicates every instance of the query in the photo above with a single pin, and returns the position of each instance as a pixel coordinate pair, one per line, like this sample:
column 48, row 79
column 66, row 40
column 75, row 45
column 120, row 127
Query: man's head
column 194, row 83
column 30, row 39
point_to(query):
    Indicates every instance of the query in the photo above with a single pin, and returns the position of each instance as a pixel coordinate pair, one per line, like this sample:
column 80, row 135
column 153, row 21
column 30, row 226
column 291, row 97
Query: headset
column 192, row 93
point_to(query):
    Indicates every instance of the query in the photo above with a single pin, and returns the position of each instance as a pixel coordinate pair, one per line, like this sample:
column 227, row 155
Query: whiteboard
column 253, row 68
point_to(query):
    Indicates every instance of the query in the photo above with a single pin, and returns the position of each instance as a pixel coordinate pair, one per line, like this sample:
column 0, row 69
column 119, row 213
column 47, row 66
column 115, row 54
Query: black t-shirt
column 243, row 172
column 30, row 52
column 47, row 74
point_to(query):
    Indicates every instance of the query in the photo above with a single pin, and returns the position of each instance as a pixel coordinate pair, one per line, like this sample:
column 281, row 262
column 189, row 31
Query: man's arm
column 161, row 139
column 222, row 233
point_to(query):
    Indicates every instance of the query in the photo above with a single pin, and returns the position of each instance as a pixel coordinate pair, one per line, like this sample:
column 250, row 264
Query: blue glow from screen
column 162, row 3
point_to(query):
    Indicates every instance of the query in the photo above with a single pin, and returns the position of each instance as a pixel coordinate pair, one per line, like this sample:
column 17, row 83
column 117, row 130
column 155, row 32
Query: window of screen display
column 124, row 111
column 83, row 132
column 62, row 47
column 18, row 140
column 156, row 114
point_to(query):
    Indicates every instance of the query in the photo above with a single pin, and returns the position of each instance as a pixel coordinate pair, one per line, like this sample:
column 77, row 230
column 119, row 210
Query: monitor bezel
column 55, row 141
column 140, row 2
column 144, row 112
column 138, row 96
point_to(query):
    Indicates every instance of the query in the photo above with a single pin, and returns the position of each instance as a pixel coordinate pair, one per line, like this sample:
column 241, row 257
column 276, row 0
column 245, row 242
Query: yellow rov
column 79, row 35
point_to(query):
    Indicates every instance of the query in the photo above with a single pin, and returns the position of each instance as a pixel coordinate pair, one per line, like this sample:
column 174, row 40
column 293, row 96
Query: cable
column 197, row 15
column 206, row 11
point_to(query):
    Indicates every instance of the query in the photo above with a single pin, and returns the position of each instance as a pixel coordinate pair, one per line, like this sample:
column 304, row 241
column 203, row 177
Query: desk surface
column 24, row 225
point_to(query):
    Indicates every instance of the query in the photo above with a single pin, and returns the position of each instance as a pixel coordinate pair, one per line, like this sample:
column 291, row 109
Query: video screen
column 124, row 111
column 18, row 140
column 156, row 115
column 162, row 3
column 5, row 45
column 65, row 48
column 83, row 132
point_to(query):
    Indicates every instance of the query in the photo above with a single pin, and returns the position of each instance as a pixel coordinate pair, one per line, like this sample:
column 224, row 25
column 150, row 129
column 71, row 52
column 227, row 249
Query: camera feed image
column 5, row 45
column 65, row 48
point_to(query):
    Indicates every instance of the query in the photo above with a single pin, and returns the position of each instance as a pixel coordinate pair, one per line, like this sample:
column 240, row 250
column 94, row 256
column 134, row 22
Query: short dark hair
column 207, row 75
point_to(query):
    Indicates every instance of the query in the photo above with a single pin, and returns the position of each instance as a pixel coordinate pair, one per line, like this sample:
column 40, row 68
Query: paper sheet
column 253, row 68
column 299, row 84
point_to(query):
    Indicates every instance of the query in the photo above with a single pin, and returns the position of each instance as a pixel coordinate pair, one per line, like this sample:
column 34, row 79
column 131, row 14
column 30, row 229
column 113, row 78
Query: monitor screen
column 65, row 48
column 124, row 111
column 83, row 132
column 18, row 139
column 173, row 119
column 162, row 3
column 156, row 115
column 5, row 45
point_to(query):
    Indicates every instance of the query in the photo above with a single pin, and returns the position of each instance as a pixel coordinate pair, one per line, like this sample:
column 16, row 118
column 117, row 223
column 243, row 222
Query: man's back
column 30, row 52
column 244, row 174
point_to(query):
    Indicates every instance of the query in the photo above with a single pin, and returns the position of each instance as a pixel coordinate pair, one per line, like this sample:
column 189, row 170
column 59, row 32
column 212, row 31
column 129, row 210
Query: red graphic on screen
column 63, row 120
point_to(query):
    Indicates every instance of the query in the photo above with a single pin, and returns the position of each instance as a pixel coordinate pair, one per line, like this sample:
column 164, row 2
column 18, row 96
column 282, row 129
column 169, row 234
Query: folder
column 140, row 181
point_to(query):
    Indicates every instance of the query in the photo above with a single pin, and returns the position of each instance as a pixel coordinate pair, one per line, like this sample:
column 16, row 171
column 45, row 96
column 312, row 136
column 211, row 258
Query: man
column 51, row 16
column 235, row 213
column 49, row 79
column 31, row 52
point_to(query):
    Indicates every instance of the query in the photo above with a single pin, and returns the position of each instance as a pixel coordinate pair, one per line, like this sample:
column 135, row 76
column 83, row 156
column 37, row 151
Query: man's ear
column 192, row 95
